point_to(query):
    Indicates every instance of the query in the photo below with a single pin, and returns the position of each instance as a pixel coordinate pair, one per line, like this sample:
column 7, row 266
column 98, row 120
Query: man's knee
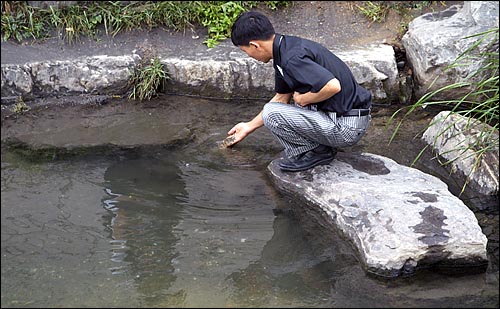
column 271, row 114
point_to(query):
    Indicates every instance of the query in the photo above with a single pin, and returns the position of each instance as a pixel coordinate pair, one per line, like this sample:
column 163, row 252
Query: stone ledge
column 233, row 76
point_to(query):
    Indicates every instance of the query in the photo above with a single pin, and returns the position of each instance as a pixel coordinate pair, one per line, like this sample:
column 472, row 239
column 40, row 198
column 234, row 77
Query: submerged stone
column 398, row 218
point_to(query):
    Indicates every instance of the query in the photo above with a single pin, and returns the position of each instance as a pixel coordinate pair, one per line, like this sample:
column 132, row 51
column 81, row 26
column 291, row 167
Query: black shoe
column 318, row 156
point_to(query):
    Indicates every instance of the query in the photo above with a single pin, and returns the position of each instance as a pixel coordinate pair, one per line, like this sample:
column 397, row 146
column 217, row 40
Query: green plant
column 377, row 11
column 480, row 103
column 219, row 18
column 148, row 79
column 274, row 5
column 20, row 106
column 374, row 11
column 20, row 21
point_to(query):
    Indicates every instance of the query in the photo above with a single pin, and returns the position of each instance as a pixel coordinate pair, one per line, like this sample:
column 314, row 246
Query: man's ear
column 254, row 44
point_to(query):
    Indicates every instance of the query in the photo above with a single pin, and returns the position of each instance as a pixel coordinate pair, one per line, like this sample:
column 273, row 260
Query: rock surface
column 398, row 218
column 435, row 40
column 456, row 138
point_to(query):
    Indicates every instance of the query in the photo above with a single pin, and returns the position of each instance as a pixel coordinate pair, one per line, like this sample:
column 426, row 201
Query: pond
column 194, row 226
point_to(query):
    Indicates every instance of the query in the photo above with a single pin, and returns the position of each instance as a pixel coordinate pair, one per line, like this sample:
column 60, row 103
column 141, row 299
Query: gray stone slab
column 398, row 218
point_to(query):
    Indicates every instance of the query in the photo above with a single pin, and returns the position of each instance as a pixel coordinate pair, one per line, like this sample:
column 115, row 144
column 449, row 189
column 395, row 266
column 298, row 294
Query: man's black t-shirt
column 302, row 65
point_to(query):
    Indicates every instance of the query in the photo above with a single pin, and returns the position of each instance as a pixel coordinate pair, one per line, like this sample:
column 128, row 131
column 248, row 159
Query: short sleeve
column 305, row 71
column 280, row 86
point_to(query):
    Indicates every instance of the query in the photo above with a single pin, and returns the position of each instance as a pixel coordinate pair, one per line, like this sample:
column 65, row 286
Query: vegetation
column 148, row 79
column 20, row 106
column 480, row 103
column 377, row 11
column 21, row 21
column 219, row 18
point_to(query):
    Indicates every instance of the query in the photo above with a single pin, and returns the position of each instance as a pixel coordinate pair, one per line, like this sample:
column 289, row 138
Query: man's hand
column 240, row 131
column 329, row 89
column 299, row 98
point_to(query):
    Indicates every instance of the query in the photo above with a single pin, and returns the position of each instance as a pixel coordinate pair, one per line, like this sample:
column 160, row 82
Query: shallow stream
column 194, row 227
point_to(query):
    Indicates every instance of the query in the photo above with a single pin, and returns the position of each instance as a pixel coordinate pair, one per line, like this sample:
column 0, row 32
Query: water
column 194, row 227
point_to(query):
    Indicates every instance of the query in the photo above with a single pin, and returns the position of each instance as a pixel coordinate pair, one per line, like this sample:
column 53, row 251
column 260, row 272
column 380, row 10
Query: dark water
column 194, row 227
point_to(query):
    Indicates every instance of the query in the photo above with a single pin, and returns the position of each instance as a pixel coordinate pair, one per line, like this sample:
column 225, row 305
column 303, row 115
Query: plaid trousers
column 300, row 129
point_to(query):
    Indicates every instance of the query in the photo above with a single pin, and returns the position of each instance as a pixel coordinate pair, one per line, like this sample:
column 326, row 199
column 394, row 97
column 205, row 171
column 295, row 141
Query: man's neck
column 268, row 45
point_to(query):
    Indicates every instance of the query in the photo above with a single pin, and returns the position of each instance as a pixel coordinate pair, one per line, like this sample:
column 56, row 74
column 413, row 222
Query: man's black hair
column 251, row 26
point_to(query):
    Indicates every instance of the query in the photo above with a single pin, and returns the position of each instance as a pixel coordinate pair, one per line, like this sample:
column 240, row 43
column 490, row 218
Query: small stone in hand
column 227, row 142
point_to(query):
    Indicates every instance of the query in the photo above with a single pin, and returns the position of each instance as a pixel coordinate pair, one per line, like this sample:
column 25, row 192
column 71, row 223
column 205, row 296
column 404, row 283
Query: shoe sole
column 321, row 162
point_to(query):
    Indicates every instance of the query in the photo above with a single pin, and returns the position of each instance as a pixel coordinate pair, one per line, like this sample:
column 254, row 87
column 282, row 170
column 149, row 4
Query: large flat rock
column 398, row 218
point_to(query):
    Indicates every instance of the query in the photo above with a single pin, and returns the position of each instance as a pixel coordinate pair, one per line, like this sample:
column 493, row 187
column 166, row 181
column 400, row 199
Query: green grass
column 21, row 21
column 148, row 79
column 377, row 11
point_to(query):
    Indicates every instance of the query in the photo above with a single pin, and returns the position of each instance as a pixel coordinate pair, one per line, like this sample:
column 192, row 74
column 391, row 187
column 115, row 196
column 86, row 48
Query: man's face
column 255, row 51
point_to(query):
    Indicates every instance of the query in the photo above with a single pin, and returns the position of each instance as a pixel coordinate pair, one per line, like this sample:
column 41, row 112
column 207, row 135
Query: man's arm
column 282, row 97
column 243, row 129
column 329, row 89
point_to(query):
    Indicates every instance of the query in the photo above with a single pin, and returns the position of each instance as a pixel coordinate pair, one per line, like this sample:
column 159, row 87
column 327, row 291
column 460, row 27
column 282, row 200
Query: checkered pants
column 300, row 129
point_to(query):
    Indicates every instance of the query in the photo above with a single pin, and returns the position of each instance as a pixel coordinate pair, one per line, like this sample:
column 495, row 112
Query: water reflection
column 181, row 224
column 54, row 251
column 287, row 273
column 226, row 219
column 197, row 234
column 143, row 205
